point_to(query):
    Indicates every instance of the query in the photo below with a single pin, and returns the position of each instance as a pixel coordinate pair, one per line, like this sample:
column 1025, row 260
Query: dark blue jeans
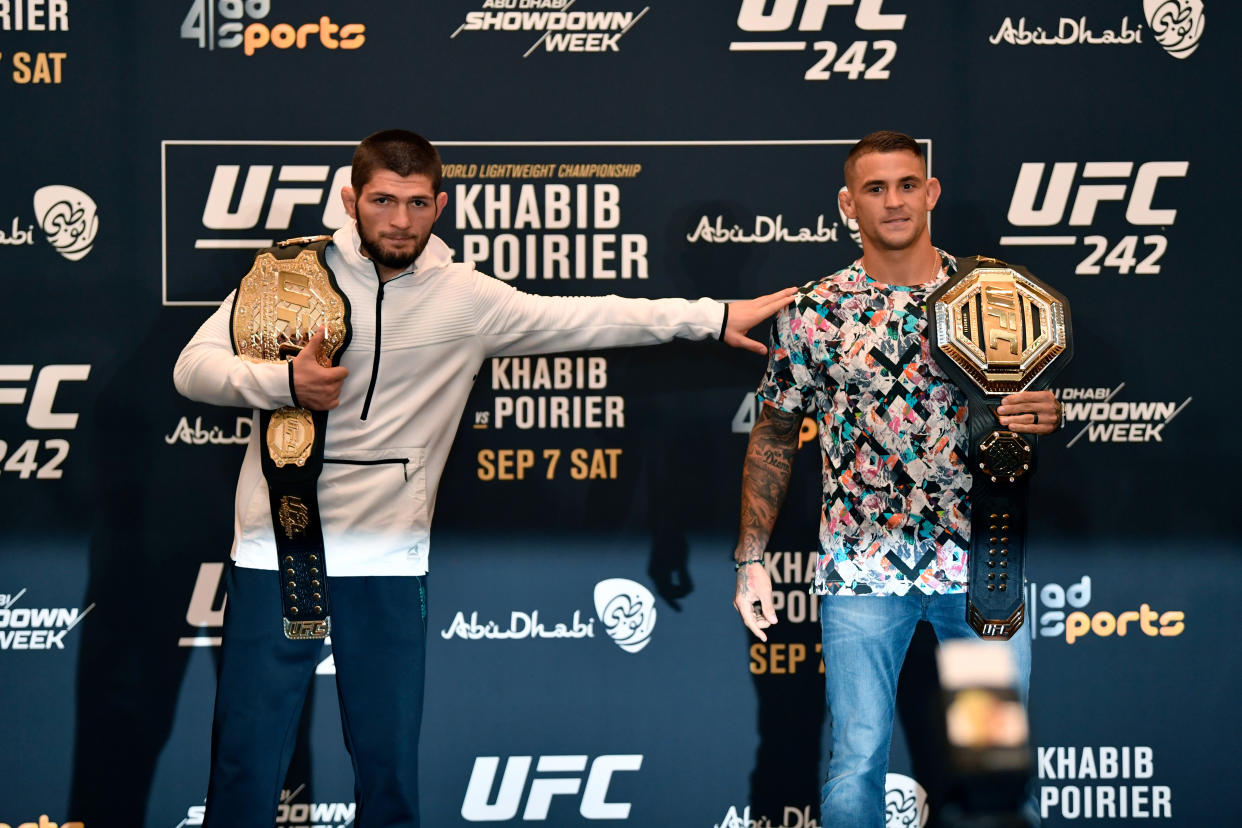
column 379, row 646
column 865, row 640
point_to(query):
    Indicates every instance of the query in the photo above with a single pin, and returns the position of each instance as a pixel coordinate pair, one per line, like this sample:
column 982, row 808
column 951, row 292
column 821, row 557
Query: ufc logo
column 294, row 292
column 254, row 194
column 40, row 414
column 756, row 17
column 594, row 796
column 999, row 304
column 1136, row 189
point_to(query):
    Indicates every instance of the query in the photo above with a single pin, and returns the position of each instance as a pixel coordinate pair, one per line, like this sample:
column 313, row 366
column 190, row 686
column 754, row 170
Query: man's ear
column 933, row 192
column 350, row 199
column 847, row 203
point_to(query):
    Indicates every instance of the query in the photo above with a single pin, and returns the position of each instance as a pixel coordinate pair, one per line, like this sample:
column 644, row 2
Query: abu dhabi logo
column 626, row 608
column 69, row 217
column 905, row 802
column 905, row 806
column 196, row 435
column 1178, row 25
column 767, row 229
column 628, row 611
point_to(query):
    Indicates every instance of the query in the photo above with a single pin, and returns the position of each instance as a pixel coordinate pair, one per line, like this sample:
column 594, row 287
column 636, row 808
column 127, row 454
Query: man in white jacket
column 421, row 327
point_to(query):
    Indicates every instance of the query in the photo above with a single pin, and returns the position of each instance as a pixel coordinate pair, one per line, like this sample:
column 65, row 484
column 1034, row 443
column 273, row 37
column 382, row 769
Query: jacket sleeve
column 208, row 370
column 512, row 322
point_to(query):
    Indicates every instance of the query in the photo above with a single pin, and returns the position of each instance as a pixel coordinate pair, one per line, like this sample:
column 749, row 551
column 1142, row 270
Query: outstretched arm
column 765, row 480
column 512, row 322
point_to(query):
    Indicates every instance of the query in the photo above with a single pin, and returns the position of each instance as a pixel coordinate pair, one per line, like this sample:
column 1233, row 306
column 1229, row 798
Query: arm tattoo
column 765, row 478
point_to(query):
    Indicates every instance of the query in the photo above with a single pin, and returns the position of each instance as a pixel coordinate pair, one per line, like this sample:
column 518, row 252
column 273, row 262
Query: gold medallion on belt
column 290, row 436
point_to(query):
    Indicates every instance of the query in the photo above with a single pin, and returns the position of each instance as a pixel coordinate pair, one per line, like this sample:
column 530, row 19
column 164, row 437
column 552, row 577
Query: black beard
column 395, row 261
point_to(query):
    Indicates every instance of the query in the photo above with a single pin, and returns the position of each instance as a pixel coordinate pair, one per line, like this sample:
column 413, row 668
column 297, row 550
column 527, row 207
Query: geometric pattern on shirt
column 896, row 504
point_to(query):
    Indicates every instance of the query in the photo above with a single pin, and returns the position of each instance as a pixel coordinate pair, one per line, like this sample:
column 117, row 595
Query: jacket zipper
column 404, row 461
column 379, row 304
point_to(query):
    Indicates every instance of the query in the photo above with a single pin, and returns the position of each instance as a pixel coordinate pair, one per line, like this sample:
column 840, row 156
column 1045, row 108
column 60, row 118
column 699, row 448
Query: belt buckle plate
column 307, row 630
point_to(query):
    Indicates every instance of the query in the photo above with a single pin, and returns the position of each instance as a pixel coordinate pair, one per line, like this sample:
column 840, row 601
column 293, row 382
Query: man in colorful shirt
column 852, row 351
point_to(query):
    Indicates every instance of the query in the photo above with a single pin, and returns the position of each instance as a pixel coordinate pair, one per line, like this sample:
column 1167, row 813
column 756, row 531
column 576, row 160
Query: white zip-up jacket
column 417, row 343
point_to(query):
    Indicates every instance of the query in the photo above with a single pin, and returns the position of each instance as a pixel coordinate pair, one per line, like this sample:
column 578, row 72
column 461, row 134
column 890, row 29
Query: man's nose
column 892, row 198
column 402, row 216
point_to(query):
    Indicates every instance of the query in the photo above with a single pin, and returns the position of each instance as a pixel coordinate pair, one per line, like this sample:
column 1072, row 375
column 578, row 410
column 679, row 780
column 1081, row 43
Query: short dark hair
column 398, row 150
column 883, row 141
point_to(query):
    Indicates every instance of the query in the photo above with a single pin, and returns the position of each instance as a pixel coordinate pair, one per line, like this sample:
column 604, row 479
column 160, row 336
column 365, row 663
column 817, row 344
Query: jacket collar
column 435, row 256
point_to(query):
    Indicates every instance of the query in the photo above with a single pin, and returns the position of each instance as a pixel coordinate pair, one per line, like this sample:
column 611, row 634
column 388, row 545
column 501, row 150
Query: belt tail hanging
column 995, row 330
column 288, row 295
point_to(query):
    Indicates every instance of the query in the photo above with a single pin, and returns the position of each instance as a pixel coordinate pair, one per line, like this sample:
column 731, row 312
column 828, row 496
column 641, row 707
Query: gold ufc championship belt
column 288, row 295
column 995, row 330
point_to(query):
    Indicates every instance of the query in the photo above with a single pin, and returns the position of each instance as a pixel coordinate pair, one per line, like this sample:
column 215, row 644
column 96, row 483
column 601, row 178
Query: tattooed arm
column 765, row 479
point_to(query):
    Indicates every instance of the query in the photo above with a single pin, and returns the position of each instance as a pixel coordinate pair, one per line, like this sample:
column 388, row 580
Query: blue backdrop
column 607, row 146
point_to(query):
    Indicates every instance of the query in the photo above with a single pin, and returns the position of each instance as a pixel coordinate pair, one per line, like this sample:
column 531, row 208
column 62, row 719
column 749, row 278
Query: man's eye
column 381, row 200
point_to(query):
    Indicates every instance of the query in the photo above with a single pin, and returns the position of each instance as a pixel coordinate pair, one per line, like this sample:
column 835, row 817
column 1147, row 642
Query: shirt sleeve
column 208, row 370
column 513, row 322
column 788, row 384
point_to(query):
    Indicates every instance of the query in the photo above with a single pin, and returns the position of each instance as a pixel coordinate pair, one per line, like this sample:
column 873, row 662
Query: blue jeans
column 865, row 640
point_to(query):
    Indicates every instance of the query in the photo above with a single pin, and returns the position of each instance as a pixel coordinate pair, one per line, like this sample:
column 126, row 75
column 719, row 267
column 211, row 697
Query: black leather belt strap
column 293, row 495
column 1001, row 462
column 288, row 295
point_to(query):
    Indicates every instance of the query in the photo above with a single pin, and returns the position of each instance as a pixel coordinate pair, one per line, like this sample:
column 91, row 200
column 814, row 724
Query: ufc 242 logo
column 39, row 413
column 37, row 458
column 1075, row 195
column 775, row 20
column 564, row 777
column 779, row 15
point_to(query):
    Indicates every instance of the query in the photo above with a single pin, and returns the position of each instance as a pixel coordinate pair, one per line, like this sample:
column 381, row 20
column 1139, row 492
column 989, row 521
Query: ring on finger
column 1035, row 414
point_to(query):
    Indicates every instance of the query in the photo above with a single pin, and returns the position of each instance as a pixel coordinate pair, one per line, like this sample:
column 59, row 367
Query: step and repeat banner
column 585, row 662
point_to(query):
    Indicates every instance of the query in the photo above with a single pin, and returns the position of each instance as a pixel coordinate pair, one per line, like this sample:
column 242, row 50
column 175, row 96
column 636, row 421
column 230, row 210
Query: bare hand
column 748, row 313
column 754, row 587
column 318, row 388
column 1030, row 412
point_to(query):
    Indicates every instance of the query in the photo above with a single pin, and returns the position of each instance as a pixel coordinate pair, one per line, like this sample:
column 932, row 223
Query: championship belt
column 288, row 295
column 997, row 330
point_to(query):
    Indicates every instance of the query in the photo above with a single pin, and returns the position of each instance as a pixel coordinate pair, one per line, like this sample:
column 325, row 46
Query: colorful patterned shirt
column 853, row 353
